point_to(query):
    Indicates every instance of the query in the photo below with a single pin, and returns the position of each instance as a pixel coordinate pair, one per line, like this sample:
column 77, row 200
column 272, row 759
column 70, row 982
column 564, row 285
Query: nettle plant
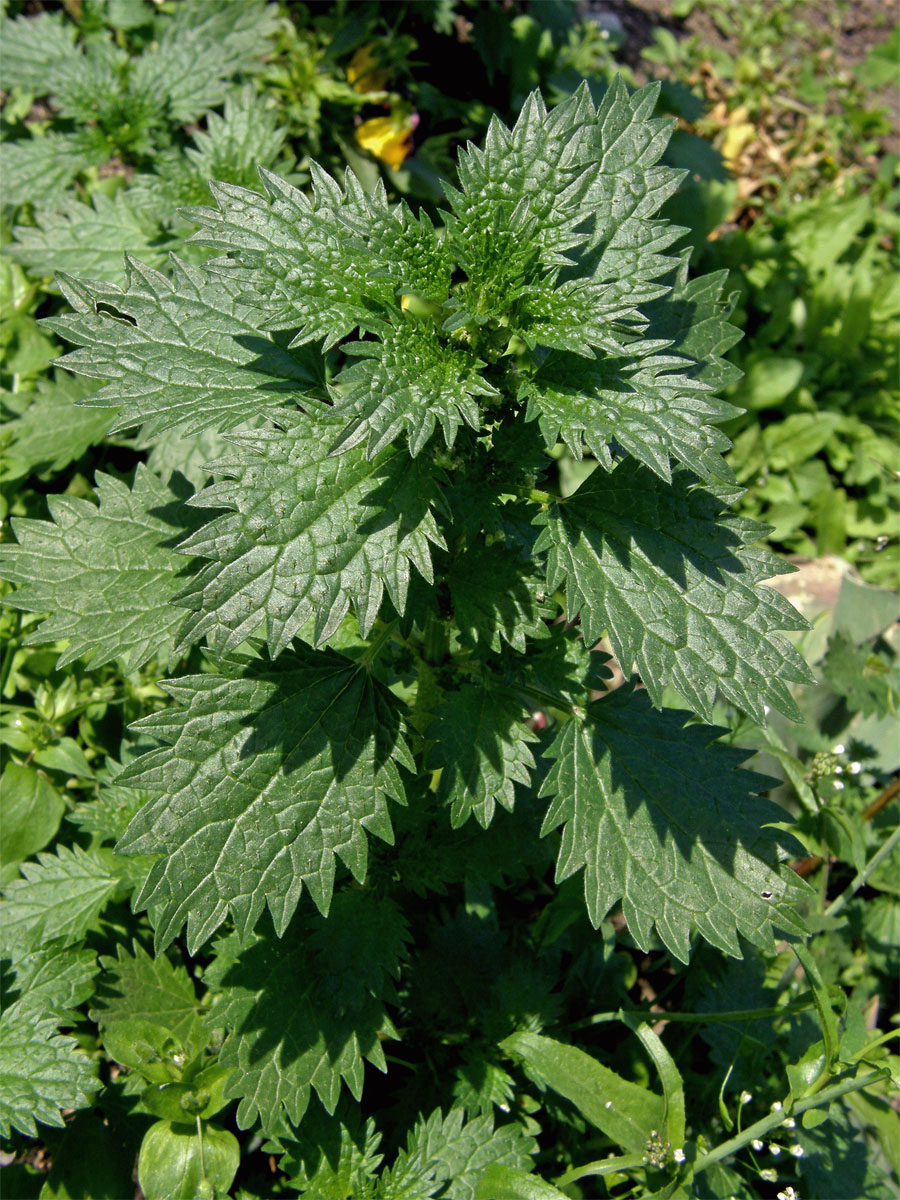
column 390, row 588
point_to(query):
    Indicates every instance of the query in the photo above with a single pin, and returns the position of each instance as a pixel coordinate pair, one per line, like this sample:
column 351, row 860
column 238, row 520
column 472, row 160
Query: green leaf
column 107, row 574
column 307, row 535
column 305, row 1012
column 41, row 1072
column 661, row 819
column 693, row 318
column 177, row 1160
column 673, row 577
column 649, row 404
column 507, row 1183
column 497, row 594
column 627, row 1113
column 33, row 48
column 517, row 208
column 481, row 750
column 144, row 988
column 326, row 264
column 183, row 352
column 200, row 50
column 60, row 896
column 53, row 431
column 267, row 772
column 50, row 981
column 31, row 811
column 320, row 1168
column 231, row 148
column 867, row 680
column 90, row 240
column 449, row 1155
column 408, row 382
column 39, row 170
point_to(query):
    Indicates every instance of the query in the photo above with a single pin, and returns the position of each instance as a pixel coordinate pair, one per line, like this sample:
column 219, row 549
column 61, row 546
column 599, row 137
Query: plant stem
column 875, row 861
column 775, row 1119
column 711, row 1018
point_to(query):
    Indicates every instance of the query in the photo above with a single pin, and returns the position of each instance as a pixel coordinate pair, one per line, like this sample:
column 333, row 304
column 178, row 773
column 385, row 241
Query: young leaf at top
column 267, row 772
column 663, row 820
column 674, row 578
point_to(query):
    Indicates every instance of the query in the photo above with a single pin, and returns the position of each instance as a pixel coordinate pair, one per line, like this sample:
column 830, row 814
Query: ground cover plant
column 332, row 911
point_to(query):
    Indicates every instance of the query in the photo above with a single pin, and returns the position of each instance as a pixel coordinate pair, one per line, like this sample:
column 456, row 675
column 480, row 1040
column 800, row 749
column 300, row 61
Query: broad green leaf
column 33, row 47
column 448, row 1155
column 60, row 896
column 267, row 772
column 107, row 574
column 231, row 148
column 200, row 50
column 693, row 318
column 39, row 170
column 497, row 594
column 508, row 1183
column 90, row 240
column 673, row 577
column 310, row 261
column 517, row 212
column 627, row 1113
column 50, row 981
column 185, row 351
column 53, row 431
column 138, row 987
column 662, row 819
column 307, row 535
column 318, row 1167
column 650, row 404
column 31, row 810
column 176, row 1160
column 408, row 382
column 41, row 1072
column 303, row 1013
column 481, row 749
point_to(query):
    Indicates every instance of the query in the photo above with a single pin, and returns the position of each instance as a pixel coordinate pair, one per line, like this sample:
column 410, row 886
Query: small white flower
column 756, row 1144
column 839, row 770
column 840, row 748
column 788, row 1194
column 768, row 1175
column 855, row 768
column 797, row 1151
column 838, row 785
column 678, row 1155
column 774, row 1149
column 789, row 1123
column 777, row 1106
column 608, row 1104
column 746, row 1097
column 766, row 710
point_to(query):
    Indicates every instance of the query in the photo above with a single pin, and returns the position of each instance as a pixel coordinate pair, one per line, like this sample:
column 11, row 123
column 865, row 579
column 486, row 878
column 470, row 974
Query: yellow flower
column 360, row 73
column 386, row 139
